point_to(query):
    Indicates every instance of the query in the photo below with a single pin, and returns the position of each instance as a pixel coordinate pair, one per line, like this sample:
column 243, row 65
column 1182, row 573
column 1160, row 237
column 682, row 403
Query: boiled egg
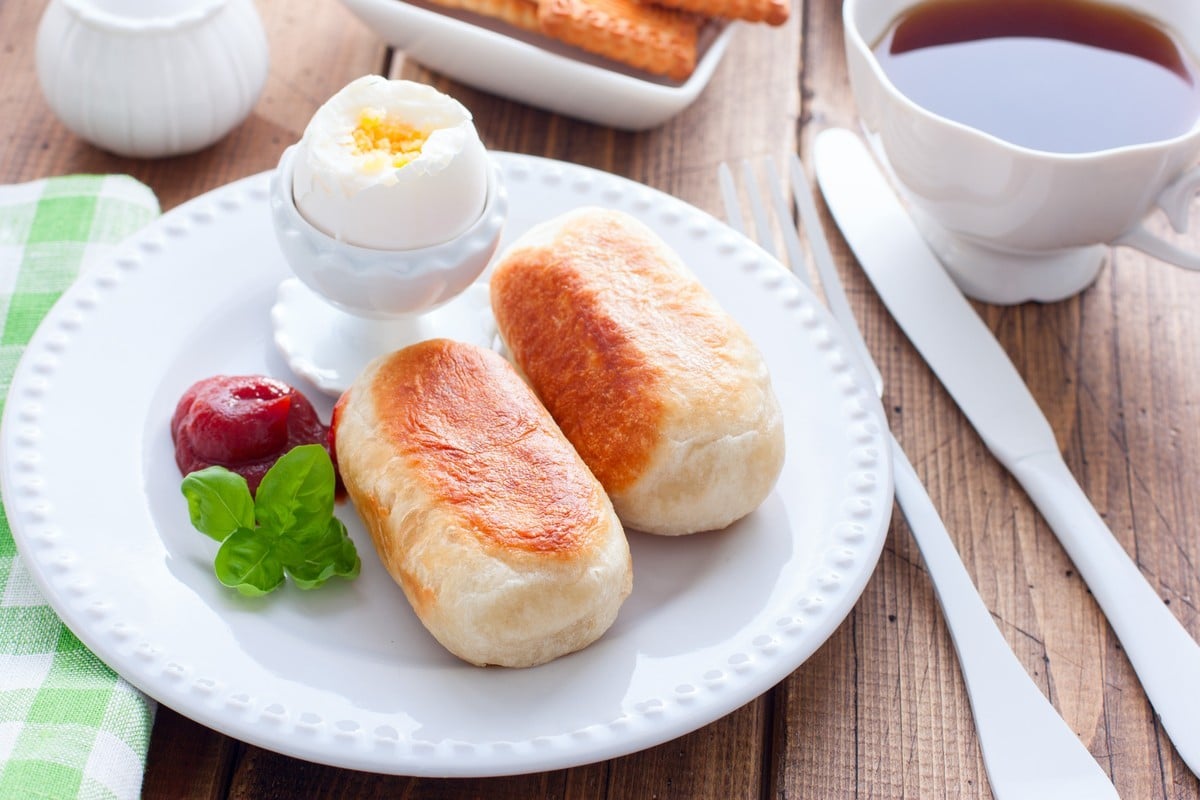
column 391, row 165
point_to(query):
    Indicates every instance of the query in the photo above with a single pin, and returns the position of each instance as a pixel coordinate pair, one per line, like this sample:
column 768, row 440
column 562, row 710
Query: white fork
column 1028, row 750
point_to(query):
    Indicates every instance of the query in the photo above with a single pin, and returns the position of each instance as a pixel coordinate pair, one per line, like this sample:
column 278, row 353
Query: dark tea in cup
column 1062, row 76
column 1031, row 136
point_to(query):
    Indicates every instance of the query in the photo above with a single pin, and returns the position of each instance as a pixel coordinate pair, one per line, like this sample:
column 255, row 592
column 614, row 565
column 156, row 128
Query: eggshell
column 361, row 200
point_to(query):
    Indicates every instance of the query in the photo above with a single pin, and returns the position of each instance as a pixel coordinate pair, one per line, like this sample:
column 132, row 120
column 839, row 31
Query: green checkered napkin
column 69, row 726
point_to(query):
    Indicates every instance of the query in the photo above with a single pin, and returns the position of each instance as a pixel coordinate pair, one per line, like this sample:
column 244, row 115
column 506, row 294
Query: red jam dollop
column 243, row 423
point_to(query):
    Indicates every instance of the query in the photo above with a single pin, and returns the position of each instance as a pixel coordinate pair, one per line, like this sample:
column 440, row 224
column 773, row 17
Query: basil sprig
column 288, row 527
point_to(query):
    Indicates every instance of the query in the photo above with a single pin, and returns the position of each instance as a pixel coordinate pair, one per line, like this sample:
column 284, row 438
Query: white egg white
column 359, row 200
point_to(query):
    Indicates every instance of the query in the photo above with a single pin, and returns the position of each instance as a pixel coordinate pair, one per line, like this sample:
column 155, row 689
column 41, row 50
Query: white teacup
column 1010, row 223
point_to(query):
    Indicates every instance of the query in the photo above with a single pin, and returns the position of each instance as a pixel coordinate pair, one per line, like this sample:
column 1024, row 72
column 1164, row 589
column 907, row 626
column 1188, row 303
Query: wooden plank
column 1090, row 362
column 187, row 759
column 263, row 774
column 719, row 761
column 882, row 705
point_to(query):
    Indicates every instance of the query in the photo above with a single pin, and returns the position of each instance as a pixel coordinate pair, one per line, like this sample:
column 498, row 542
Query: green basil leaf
column 296, row 494
column 286, row 549
column 311, row 576
column 332, row 554
column 346, row 561
column 288, row 527
column 219, row 502
column 247, row 562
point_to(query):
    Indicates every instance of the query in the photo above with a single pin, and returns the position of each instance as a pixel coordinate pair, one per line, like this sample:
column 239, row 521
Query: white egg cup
column 349, row 304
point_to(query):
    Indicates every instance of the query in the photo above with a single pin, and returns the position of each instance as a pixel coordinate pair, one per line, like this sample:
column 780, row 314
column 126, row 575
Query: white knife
column 977, row 373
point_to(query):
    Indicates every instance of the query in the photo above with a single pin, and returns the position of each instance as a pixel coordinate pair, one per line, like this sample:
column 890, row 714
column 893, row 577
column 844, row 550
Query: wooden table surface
column 880, row 709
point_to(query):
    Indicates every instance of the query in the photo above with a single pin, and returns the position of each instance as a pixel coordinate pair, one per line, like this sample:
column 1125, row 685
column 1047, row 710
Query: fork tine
column 762, row 222
column 735, row 217
column 831, row 284
column 797, row 262
column 787, row 228
column 733, row 207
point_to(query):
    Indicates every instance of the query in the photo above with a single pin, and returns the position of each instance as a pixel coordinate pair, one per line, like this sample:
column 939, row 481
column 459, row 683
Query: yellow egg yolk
column 385, row 142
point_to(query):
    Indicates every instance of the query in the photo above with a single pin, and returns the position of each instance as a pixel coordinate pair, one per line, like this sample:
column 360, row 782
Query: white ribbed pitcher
column 151, row 78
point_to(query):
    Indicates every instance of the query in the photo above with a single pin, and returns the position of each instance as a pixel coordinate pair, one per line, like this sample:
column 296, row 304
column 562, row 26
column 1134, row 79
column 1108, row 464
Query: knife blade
column 978, row 374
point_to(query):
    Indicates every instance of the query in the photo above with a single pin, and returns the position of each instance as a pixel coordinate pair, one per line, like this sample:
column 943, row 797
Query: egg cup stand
column 350, row 304
column 329, row 347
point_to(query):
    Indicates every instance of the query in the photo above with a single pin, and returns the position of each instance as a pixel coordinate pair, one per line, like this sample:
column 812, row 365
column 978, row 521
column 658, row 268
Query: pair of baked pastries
column 496, row 498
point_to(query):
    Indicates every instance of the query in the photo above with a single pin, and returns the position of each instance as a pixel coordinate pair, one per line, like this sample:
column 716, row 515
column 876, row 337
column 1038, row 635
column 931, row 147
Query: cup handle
column 1175, row 201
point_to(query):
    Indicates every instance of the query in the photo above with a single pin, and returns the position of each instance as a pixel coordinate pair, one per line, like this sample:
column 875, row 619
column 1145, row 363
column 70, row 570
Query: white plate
column 347, row 675
column 535, row 69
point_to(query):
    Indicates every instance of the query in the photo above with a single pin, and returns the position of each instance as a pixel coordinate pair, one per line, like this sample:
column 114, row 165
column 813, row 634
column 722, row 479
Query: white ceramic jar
column 151, row 78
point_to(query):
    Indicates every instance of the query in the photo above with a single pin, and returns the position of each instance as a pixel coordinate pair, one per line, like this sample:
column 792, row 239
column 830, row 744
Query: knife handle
column 1164, row 656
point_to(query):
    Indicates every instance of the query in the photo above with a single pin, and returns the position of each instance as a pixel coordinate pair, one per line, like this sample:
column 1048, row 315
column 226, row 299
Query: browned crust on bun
column 662, row 393
column 504, row 543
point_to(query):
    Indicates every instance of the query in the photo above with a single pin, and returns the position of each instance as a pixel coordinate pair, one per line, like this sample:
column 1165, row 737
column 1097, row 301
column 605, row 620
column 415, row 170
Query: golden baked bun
column 660, row 390
column 504, row 543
